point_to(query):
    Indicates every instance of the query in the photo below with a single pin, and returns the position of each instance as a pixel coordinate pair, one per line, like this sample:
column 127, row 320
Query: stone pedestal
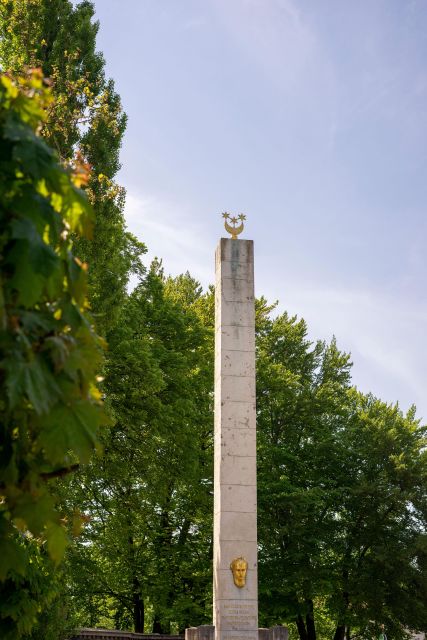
column 279, row 633
column 274, row 633
column 206, row 632
column 235, row 499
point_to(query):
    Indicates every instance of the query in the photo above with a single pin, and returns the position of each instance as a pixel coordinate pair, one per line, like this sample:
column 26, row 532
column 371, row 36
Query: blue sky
column 309, row 117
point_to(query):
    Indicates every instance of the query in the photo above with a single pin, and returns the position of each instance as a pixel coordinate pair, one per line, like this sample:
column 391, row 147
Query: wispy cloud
column 193, row 24
column 272, row 34
column 385, row 336
column 169, row 229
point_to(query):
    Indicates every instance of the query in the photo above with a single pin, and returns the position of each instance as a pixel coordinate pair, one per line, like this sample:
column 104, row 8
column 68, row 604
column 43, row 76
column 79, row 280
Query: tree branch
column 59, row 473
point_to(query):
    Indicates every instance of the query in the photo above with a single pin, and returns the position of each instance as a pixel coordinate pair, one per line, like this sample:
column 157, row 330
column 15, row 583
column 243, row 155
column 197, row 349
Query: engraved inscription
column 238, row 615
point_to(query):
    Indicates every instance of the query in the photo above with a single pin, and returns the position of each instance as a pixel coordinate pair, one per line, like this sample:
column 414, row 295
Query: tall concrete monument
column 235, row 498
column 235, row 493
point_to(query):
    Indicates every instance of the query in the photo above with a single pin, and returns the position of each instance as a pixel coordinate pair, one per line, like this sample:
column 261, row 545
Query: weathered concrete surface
column 205, row 632
column 279, row 633
column 235, row 502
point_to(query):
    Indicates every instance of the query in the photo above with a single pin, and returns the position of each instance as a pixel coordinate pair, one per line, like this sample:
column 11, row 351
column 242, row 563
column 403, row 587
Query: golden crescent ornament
column 234, row 229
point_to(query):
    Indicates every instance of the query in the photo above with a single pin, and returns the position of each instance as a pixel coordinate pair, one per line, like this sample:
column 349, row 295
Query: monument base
column 207, row 632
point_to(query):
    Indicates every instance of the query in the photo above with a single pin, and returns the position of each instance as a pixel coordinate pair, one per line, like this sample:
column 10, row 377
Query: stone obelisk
column 235, row 500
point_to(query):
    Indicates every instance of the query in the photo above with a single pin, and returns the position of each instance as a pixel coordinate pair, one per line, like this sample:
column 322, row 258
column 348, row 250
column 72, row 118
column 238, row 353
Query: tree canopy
column 50, row 353
column 85, row 116
column 342, row 494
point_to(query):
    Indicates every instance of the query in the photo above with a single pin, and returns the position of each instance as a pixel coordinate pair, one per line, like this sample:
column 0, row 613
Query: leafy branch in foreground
column 50, row 406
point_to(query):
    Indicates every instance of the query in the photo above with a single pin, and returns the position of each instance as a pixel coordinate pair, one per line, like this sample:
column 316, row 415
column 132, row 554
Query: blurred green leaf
column 12, row 557
column 47, row 401
column 56, row 541
column 33, row 510
column 30, row 380
column 70, row 427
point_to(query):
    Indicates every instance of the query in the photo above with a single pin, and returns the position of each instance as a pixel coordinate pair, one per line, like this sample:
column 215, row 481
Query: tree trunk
column 309, row 620
column 138, row 607
column 157, row 625
column 340, row 632
column 301, row 628
column 161, row 627
column 138, row 602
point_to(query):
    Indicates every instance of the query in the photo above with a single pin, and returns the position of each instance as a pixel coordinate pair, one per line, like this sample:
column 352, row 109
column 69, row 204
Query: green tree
column 300, row 391
column 84, row 123
column 148, row 543
column 342, row 493
column 49, row 351
column 85, row 117
column 379, row 564
column 147, row 549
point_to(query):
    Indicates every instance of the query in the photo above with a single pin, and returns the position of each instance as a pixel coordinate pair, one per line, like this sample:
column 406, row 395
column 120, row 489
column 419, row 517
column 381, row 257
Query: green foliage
column 85, row 114
column 58, row 39
column 381, row 549
column 84, row 122
column 49, row 352
column 342, row 477
column 25, row 594
column 342, row 493
column 146, row 550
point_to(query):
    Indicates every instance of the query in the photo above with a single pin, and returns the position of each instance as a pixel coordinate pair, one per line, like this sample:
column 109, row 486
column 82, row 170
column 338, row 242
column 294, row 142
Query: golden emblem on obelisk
column 237, row 228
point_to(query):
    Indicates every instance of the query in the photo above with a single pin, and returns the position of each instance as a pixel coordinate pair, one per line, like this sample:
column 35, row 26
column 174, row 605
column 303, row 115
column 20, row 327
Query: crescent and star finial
column 235, row 228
